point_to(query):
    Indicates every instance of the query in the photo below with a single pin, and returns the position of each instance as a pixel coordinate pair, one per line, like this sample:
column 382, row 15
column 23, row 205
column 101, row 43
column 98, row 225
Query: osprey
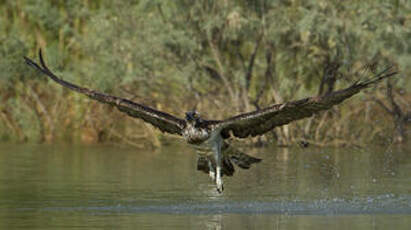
column 209, row 137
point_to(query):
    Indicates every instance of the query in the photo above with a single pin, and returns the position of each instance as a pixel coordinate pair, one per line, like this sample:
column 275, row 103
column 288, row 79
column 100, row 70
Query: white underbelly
column 208, row 146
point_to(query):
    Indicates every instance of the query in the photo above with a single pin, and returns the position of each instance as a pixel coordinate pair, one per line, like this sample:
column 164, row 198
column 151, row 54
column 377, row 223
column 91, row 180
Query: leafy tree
column 232, row 56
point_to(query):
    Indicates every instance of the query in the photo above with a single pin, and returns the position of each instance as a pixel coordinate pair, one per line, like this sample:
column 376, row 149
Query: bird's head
column 193, row 117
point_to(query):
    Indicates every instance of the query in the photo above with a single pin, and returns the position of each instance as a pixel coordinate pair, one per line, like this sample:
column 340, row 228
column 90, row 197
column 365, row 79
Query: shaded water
column 94, row 187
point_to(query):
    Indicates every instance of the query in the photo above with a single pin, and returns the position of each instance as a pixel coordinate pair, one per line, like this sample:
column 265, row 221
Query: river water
column 115, row 187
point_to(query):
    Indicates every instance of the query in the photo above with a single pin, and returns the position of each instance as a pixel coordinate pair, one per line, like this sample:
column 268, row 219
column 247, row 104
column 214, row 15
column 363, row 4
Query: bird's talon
column 220, row 188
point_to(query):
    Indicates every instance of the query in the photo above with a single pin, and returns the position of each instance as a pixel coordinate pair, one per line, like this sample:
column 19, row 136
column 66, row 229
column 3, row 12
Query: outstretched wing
column 261, row 121
column 164, row 121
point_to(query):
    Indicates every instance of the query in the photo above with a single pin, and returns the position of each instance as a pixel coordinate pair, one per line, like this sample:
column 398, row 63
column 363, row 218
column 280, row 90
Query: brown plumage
column 164, row 121
column 261, row 121
column 229, row 155
column 208, row 136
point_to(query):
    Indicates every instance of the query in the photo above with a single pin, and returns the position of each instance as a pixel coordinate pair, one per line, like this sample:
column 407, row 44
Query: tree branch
column 379, row 102
column 249, row 72
column 221, row 68
column 395, row 107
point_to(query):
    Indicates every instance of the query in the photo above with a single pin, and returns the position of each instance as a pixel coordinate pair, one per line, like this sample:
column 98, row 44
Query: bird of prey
column 210, row 137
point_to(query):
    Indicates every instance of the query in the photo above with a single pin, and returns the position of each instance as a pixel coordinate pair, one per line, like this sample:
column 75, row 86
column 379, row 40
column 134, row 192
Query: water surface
column 94, row 187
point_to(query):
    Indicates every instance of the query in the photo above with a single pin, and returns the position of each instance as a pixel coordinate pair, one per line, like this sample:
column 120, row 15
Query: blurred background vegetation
column 221, row 57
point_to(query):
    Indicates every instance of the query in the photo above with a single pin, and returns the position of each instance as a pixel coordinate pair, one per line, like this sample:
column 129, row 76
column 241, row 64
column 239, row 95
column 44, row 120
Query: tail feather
column 230, row 156
column 204, row 162
column 244, row 161
column 239, row 158
column 228, row 167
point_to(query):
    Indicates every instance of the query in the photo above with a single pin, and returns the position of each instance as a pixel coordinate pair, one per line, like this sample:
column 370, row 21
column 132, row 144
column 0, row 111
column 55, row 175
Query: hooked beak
column 189, row 116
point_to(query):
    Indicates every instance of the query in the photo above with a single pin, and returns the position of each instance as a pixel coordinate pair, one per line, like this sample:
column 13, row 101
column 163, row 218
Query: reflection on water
column 51, row 187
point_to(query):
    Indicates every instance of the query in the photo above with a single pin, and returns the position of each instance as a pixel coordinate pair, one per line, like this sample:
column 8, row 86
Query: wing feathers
column 243, row 125
column 261, row 121
column 164, row 121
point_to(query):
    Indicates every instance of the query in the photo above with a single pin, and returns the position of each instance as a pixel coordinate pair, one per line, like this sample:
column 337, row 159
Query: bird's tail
column 230, row 156
column 207, row 164
column 239, row 158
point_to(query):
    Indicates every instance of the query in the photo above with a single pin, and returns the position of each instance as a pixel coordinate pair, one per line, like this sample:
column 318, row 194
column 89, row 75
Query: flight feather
column 261, row 121
column 164, row 121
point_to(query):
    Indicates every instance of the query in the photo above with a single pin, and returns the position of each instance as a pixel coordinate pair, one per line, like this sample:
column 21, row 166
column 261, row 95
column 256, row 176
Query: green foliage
column 235, row 54
column 12, row 68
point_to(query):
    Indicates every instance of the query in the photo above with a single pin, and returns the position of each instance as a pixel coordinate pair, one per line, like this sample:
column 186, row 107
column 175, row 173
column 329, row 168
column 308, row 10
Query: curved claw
column 220, row 186
column 221, row 189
